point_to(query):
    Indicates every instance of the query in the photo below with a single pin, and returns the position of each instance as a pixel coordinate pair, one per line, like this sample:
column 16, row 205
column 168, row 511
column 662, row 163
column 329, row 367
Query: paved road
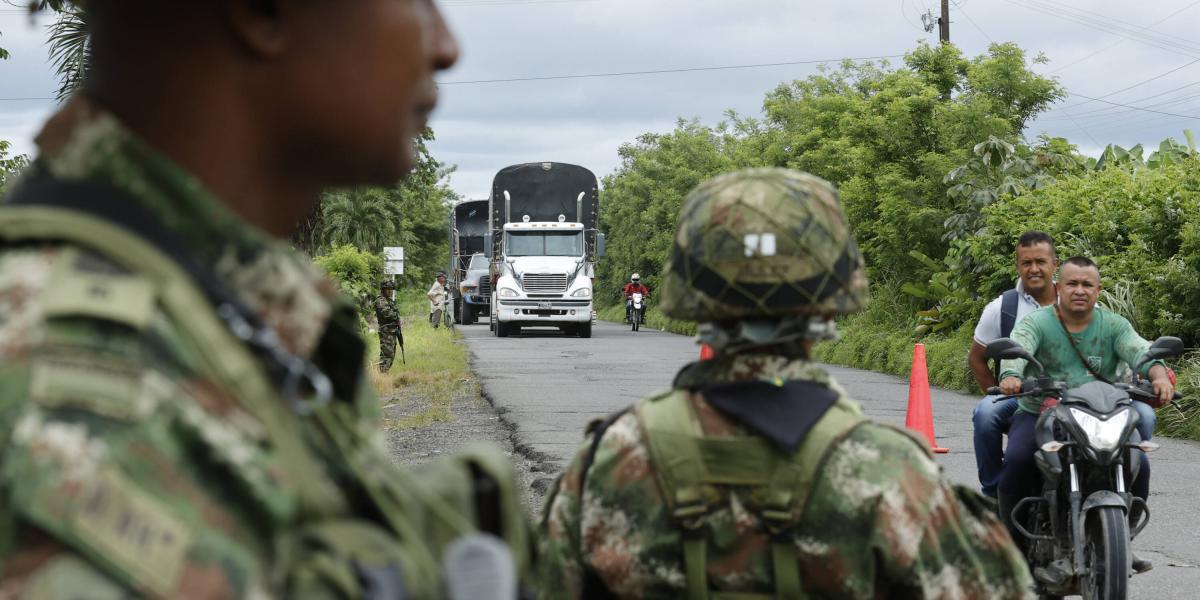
column 550, row 387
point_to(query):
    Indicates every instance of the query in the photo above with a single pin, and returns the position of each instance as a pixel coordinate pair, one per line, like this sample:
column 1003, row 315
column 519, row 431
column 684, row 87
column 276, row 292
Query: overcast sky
column 1148, row 53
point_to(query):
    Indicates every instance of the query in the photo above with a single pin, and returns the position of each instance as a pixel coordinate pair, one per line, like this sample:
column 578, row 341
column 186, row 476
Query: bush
column 357, row 272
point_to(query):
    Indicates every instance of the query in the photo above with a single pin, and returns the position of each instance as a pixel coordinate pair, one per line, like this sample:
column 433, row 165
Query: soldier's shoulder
column 58, row 282
column 877, row 457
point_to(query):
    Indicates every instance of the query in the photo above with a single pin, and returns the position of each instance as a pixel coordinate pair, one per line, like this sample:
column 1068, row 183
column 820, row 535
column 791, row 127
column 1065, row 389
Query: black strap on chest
column 296, row 376
column 1009, row 304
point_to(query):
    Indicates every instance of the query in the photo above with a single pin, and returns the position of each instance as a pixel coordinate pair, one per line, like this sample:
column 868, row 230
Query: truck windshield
column 478, row 261
column 544, row 243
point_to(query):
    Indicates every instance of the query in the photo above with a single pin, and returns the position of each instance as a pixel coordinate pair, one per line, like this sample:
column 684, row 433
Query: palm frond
column 70, row 50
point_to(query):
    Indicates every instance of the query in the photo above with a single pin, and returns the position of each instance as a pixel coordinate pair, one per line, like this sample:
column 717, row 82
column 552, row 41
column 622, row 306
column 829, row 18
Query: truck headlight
column 467, row 289
column 507, row 292
column 1104, row 435
column 582, row 293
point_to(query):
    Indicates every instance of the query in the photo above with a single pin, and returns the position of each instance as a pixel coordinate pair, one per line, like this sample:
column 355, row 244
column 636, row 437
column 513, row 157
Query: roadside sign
column 393, row 260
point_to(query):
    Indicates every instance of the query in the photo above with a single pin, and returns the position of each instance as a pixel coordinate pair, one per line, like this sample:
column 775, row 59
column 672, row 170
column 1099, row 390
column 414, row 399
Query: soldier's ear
column 260, row 25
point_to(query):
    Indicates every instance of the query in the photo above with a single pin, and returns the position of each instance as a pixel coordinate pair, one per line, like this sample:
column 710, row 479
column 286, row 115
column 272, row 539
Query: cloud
column 484, row 127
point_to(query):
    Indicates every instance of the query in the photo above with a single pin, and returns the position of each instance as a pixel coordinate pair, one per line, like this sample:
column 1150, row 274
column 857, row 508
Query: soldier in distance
column 755, row 476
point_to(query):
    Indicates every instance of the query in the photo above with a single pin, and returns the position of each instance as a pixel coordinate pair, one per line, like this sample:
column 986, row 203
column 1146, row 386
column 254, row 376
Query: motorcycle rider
column 635, row 286
column 1036, row 261
column 1098, row 342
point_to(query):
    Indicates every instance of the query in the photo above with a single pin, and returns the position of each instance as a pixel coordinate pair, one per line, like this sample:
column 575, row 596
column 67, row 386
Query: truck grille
column 544, row 283
column 485, row 286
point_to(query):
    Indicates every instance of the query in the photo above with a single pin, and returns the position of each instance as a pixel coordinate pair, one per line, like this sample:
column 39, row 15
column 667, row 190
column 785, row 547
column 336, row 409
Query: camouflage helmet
column 762, row 243
column 387, row 284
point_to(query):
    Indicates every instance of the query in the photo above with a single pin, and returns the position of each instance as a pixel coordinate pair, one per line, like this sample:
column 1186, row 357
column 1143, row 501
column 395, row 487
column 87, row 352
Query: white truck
column 543, row 245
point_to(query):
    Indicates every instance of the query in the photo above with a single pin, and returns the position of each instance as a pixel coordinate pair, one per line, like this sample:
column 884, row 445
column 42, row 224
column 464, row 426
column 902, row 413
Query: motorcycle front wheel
column 1106, row 555
column 633, row 318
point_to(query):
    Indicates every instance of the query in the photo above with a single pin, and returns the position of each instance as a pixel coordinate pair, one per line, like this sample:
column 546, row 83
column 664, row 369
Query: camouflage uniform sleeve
column 113, row 474
column 929, row 538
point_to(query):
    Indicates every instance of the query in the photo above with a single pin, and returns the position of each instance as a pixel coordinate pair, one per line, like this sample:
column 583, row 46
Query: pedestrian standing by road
column 388, row 318
column 437, row 299
column 185, row 408
column 755, row 476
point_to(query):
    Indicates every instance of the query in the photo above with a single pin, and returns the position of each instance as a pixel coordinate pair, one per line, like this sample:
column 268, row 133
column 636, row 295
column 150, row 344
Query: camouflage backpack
column 696, row 474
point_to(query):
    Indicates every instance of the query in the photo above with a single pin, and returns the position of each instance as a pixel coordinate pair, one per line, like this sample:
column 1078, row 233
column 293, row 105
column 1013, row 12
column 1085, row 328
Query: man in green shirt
column 1102, row 338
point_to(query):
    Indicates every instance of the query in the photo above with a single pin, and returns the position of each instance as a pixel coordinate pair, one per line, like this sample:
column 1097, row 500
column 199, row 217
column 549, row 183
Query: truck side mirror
column 487, row 244
column 600, row 245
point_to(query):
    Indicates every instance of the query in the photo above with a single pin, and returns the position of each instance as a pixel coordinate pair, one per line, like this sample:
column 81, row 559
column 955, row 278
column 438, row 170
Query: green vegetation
column 938, row 181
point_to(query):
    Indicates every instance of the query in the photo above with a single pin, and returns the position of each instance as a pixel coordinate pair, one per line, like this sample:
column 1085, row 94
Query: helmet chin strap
column 749, row 334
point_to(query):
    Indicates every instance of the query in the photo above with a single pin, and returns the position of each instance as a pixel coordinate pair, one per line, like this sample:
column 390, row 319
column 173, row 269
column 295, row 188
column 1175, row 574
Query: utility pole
column 944, row 23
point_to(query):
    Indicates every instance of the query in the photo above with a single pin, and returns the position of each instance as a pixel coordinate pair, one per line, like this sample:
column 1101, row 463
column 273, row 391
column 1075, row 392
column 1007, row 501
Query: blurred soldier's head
column 308, row 93
column 387, row 287
column 763, row 259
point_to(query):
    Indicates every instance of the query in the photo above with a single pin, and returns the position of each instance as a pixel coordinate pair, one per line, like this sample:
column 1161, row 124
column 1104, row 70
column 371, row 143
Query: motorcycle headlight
column 508, row 293
column 582, row 293
column 1104, row 435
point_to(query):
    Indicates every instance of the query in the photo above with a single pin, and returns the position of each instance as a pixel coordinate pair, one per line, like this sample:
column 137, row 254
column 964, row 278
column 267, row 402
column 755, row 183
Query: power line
column 1157, row 40
column 1123, row 39
column 1142, row 82
column 1141, row 108
column 661, row 71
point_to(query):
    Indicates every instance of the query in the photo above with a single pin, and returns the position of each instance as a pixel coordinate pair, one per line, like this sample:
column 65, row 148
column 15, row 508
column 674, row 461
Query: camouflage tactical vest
column 696, row 473
column 393, row 528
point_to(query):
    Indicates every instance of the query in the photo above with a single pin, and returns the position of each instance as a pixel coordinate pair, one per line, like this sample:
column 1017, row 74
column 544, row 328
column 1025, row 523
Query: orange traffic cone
column 706, row 352
column 920, row 408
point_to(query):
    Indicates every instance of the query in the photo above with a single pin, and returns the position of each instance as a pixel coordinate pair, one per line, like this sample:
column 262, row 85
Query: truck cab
column 543, row 244
column 544, row 279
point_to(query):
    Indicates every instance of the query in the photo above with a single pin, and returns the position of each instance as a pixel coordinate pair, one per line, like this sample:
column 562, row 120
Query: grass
column 435, row 371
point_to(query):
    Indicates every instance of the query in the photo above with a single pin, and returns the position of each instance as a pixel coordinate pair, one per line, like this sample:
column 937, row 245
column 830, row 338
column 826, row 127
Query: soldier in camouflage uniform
column 756, row 477
column 388, row 317
column 183, row 405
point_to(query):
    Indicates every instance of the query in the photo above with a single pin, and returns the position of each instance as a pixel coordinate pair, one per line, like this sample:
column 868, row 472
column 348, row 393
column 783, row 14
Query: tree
column 10, row 167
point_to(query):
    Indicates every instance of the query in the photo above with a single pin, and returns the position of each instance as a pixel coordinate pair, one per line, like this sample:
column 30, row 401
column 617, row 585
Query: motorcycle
column 1078, row 530
column 637, row 310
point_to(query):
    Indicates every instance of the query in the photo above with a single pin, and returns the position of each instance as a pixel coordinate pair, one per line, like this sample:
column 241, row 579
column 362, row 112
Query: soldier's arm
column 933, row 539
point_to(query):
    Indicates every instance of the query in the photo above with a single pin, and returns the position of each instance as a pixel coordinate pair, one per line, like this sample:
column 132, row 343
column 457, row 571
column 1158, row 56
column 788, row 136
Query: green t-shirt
column 1107, row 342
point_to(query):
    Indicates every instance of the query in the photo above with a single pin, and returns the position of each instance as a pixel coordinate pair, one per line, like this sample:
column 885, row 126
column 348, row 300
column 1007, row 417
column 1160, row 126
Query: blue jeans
column 992, row 420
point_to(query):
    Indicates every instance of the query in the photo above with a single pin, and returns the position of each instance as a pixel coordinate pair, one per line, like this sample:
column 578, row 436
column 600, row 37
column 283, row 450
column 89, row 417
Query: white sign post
column 393, row 260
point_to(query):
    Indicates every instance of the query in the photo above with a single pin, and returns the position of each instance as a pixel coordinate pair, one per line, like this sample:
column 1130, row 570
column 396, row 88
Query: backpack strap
column 689, row 465
column 1009, row 304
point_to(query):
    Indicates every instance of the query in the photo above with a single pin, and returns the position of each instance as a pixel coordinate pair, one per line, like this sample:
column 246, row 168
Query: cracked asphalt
column 547, row 387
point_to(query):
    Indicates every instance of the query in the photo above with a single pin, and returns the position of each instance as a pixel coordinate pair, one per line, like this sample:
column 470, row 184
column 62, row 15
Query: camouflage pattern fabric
column 767, row 242
column 388, row 317
column 882, row 520
column 128, row 467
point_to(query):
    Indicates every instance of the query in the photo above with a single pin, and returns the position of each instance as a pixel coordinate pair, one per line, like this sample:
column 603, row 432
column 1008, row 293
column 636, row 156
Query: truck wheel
column 468, row 314
column 501, row 329
column 585, row 330
column 459, row 305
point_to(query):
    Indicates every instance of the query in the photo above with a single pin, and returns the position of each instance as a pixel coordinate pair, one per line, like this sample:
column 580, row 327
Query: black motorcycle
column 1078, row 530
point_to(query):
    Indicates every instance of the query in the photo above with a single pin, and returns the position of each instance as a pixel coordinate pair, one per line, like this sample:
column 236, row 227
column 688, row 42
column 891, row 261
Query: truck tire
column 468, row 314
column 459, row 305
column 585, row 330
